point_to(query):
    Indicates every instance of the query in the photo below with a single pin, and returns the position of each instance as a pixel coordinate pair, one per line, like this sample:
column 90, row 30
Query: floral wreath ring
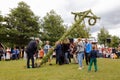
column 92, row 19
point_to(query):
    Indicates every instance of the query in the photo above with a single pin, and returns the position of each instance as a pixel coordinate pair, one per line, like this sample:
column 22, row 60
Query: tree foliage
column 103, row 35
column 52, row 27
column 1, row 18
column 2, row 29
column 22, row 24
column 80, row 31
column 115, row 41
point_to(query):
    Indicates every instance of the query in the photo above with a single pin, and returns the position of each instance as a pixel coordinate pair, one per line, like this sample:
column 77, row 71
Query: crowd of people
column 109, row 52
column 9, row 53
column 63, row 52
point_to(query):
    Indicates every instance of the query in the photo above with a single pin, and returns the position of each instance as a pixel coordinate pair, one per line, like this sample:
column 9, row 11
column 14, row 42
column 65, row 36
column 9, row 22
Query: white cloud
column 103, row 6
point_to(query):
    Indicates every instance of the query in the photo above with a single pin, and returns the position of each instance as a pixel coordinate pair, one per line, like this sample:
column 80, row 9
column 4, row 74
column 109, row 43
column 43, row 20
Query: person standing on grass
column 74, row 53
column 8, row 53
column 47, row 47
column 1, row 52
column 80, row 52
column 31, row 50
column 88, row 48
column 66, row 50
column 93, row 59
column 41, row 53
column 58, row 50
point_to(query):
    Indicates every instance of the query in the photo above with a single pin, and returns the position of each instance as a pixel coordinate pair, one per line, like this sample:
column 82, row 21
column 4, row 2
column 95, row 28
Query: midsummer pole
column 79, row 17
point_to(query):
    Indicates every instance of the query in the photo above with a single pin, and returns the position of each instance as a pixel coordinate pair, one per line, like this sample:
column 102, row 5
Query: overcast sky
column 108, row 10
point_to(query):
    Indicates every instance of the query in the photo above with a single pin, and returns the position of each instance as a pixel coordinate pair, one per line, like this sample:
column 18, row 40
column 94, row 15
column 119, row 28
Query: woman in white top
column 8, row 53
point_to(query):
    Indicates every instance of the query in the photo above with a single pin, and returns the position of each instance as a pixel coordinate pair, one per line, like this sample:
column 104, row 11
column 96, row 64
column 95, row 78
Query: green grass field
column 108, row 69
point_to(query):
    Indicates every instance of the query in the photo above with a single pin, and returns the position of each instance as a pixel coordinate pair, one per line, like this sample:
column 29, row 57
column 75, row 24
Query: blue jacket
column 88, row 47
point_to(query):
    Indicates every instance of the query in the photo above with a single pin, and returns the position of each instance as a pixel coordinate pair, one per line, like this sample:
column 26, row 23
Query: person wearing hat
column 31, row 50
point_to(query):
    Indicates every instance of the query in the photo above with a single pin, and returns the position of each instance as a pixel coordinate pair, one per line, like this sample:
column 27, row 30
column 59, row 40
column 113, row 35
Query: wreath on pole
column 92, row 21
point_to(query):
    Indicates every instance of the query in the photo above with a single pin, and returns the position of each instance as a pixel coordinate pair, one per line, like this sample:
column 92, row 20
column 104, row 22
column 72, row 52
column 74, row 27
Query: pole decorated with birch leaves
column 78, row 18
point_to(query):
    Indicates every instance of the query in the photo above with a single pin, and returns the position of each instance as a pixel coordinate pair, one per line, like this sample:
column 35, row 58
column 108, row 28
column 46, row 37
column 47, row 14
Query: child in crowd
column 41, row 53
column 93, row 56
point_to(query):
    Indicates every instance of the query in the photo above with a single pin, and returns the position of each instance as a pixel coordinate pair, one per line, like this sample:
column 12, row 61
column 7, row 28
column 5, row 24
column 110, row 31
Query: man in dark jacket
column 31, row 50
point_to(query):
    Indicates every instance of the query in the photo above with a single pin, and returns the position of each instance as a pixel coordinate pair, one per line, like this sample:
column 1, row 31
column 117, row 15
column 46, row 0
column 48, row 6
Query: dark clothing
column 1, row 53
column 58, row 50
column 28, row 61
column 66, row 47
column 31, row 50
column 93, row 54
column 32, row 47
column 114, row 50
column 66, row 51
column 63, row 54
column 87, row 58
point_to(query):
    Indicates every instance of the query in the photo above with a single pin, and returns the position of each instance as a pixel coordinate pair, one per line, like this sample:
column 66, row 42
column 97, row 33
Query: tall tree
column 115, row 41
column 2, row 29
column 52, row 27
column 103, row 35
column 22, row 24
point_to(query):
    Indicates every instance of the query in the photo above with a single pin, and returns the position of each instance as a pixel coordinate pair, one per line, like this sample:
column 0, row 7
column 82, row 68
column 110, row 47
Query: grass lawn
column 108, row 69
